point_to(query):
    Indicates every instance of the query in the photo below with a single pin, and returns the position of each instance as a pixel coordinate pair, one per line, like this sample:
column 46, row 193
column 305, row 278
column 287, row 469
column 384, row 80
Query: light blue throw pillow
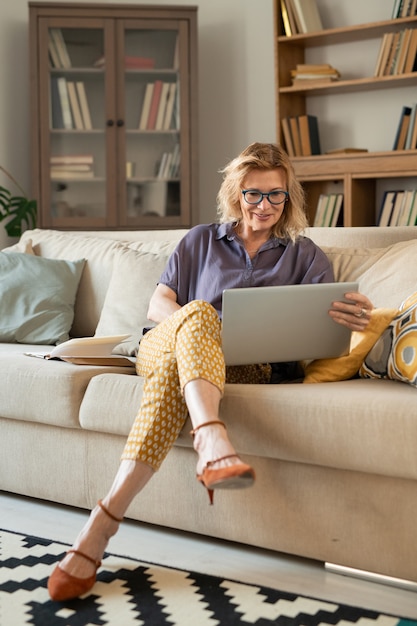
column 37, row 298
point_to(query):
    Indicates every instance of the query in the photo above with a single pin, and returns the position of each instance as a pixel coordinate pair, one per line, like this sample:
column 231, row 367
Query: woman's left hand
column 355, row 313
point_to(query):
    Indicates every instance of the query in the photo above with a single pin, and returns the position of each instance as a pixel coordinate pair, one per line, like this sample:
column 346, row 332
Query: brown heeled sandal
column 238, row 476
column 63, row 586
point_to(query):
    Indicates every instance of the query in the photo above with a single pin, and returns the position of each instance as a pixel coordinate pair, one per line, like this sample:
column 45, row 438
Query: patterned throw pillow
column 394, row 355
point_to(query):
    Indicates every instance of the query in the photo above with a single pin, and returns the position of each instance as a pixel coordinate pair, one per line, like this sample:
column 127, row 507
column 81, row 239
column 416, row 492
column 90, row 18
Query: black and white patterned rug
column 133, row 593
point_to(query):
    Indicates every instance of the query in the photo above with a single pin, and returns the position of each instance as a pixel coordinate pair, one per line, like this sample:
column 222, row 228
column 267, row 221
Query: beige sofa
column 336, row 462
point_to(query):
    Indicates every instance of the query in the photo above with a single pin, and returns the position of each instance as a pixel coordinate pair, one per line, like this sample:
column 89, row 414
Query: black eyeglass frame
column 266, row 195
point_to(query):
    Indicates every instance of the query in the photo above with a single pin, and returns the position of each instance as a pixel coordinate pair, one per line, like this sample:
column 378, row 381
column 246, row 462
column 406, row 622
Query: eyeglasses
column 253, row 196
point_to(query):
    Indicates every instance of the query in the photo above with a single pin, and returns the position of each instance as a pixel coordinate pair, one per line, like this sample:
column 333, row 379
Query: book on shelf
column 410, row 140
column 71, row 166
column 410, row 64
column 60, row 47
column 286, row 20
column 65, row 103
column 386, row 208
column 404, row 8
column 153, row 112
column 301, row 135
column 412, row 220
column 402, row 129
column 53, row 53
column 397, row 53
column 286, row 131
column 168, row 118
column 403, row 46
column 296, row 137
column 56, row 118
column 75, row 105
column 307, row 16
column 396, row 208
column 305, row 74
column 329, row 209
column 85, row 109
column 159, row 123
column 320, row 209
column 288, row 9
column 65, row 159
column 146, row 106
column 88, row 351
column 309, row 132
column 406, row 207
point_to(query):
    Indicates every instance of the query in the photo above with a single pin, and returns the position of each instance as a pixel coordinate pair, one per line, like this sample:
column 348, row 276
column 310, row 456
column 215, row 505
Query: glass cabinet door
column 78, row 117
column 114, row 115
column 149, row 99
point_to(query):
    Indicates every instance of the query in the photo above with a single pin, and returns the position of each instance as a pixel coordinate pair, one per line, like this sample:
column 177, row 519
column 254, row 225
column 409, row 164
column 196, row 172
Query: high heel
column 237, row 476
column 63, row 586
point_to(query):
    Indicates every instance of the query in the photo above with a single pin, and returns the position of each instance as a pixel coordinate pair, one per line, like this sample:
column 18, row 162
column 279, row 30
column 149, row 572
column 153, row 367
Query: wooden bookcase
column 98, row 167
column 357, row 174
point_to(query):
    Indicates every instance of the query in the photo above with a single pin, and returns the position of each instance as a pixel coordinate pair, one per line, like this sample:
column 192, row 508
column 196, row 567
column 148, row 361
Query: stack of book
column 329, row 209
column 406, row 135
column 397, row 53
column 398, row 208
column 311, row 75
column 63, row 167
column 404, row 8
column 69, row 104
column 300, row 16
column 301, row 135
column 158, row 108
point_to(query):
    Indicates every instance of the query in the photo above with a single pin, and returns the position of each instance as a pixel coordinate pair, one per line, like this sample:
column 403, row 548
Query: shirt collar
column 227, row 230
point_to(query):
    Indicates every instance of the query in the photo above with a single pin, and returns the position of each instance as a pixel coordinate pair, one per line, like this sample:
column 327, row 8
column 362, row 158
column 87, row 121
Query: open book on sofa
column 89, row 351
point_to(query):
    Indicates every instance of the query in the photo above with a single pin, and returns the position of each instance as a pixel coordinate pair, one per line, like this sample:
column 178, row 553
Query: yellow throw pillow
column 344, row 367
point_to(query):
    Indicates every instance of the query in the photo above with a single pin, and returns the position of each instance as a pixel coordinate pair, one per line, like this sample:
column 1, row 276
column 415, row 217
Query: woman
column 257, row 242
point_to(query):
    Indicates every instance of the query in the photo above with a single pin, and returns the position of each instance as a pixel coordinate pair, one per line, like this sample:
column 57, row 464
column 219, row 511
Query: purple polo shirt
column 211, row 258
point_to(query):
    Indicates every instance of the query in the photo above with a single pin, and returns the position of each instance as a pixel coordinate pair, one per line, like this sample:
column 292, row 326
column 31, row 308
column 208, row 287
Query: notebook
column 279, row 324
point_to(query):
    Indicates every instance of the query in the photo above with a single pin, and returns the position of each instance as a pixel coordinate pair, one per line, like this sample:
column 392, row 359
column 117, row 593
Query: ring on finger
column 362, row 313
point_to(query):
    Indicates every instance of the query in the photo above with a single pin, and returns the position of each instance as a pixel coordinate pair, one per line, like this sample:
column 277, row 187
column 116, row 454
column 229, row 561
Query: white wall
column 236, row 90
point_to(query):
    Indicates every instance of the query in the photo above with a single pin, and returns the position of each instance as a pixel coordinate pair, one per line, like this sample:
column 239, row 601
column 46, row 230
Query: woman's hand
column 355, row 314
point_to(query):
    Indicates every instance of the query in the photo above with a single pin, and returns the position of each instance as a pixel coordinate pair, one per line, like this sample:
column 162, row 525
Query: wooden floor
column 191, row 552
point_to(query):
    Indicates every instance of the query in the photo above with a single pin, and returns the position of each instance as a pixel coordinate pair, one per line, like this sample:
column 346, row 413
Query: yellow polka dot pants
column 184, row 347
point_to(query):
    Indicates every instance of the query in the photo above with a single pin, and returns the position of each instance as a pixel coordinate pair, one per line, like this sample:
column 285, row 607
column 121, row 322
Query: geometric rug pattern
column 135, row 593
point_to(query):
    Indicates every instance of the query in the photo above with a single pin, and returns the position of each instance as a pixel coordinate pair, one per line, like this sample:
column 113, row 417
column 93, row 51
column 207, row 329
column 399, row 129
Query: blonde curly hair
column 262, row 156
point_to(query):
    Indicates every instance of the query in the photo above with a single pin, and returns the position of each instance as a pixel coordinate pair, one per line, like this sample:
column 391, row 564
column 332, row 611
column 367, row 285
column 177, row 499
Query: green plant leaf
column 20, row 211
column 23, row 214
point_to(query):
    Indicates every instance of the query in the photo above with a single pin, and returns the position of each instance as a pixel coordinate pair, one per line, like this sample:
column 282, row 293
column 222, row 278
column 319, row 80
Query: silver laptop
column 279, row 324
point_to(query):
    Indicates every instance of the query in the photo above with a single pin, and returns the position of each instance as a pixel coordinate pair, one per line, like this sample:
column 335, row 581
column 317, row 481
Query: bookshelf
column 114, row 115
column 360, row 176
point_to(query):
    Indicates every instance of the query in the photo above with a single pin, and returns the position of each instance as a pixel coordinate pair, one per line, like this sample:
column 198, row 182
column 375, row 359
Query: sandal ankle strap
column 85, row 556
column 193, row 432
column 222, row 458
column 107, row 512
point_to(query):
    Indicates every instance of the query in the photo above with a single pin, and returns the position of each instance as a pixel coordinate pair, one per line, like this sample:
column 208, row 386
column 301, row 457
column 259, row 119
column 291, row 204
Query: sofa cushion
column 44, row 391
column 394, row 355
column 383, row 273
column 345, row 367
column 99, row 254
column 135, row 275
column 306, row 423
column 37, row 298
